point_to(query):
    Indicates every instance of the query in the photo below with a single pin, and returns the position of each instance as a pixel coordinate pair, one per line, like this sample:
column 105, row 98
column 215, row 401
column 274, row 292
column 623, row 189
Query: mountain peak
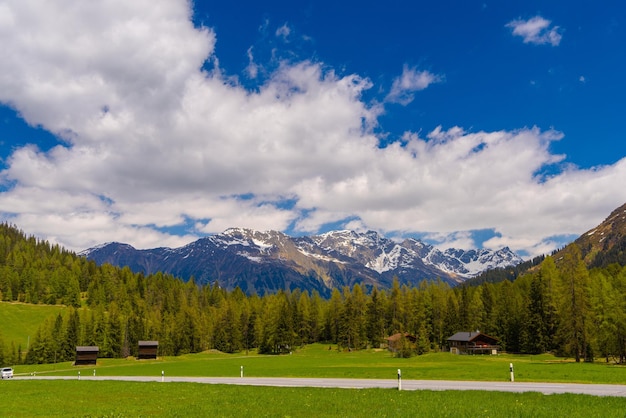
column 267, row 261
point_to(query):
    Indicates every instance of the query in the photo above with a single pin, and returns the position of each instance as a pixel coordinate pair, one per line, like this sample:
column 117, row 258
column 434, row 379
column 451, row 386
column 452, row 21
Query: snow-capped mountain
column 383, row 255
column 260, row 262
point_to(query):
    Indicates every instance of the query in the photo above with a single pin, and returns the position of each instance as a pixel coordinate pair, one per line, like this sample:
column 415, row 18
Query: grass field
column 19, row 321
column 318, row 361
column 129, row 399
column 124, row 399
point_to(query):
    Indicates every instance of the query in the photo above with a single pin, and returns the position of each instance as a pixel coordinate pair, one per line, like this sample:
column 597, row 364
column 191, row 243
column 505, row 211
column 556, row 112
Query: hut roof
column 465, row 336
column 81, row 348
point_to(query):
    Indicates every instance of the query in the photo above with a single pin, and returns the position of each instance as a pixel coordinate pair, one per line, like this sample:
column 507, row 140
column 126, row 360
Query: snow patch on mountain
column 387, row 261
column 87, row 252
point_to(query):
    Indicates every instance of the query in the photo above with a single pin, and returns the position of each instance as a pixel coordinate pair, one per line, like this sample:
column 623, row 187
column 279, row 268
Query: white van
column 7, row 373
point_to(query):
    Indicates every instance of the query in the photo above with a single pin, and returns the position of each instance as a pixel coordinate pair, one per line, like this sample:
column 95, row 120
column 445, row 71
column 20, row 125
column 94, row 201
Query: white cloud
column 155, row 143
column 536, row 30
column 253, row 68
column 408, row 83
column 461, row 240
column 283, row 31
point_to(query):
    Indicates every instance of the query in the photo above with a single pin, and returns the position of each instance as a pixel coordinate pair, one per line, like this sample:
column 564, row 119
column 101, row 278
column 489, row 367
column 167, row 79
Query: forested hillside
column 564, row 308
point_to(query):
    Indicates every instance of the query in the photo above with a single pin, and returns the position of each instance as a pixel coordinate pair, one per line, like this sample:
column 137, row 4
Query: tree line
column 561, row 306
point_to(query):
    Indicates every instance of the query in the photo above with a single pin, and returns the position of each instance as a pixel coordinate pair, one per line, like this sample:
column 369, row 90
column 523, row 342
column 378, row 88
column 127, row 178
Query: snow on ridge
column 369, row 249
column 263, row 246
column 474, row 262
column 233, row 241
column 251, row 257
column 101, row 246
column 248, row 238
column 319, row 256
column 386, row 261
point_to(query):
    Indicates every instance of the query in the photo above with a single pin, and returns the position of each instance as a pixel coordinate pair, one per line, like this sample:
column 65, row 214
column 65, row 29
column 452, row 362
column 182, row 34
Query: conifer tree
column 58, row 337
column 574, row 305
column 375, row 319
column 604, row 306
column 395, row 309
column 333, row 316
column 285, row 331
column 72, row 335
column 304, row 323
column 437, row 293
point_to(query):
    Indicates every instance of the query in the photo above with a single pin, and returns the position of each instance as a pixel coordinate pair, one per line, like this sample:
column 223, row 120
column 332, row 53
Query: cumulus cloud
column 460, row 239
column 536, row 30
column 408, row 83
column 153, row 143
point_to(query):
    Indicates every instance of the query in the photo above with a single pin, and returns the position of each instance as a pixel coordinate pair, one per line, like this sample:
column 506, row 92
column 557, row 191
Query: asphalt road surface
column 546, row 388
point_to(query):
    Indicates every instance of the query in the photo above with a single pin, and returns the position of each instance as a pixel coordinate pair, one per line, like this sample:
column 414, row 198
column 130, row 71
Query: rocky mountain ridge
column 606, row 243
column 261, row 262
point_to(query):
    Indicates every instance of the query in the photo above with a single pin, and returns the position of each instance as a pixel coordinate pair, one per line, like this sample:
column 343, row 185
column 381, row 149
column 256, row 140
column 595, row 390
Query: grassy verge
column 130, row 399
column 317, row 361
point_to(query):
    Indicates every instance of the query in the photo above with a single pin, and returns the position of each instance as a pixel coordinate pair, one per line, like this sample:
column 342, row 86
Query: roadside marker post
column 512, row 374
column 241, row 372
column 399, row 379
column 78, row 375
column 162, row 375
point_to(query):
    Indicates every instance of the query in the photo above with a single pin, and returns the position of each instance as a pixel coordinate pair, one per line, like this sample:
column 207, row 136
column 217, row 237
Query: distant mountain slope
column 606, row 243
column 600, row 246
column 261, row 262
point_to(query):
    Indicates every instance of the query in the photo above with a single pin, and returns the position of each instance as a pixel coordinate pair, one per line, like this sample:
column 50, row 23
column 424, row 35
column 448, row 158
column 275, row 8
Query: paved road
column 546, row 388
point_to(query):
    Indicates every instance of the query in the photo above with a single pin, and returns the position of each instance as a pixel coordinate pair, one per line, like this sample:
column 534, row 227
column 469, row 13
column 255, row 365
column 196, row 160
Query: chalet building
column 473, row 343
column 86, row 355
column 147, row 350
column 394, row 342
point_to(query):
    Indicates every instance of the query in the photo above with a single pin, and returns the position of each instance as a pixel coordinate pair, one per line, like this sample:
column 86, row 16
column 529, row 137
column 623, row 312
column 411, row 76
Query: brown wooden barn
column 147, row 350
column 86, row 354
column 394, row 341
column 473, row 342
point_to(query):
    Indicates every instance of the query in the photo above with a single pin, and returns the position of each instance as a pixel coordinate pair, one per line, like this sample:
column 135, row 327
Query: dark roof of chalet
column 87, row 348
column 148, row 343
column 468, row 336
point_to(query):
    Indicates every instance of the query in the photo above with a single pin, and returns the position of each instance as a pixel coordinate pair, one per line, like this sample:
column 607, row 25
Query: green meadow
column 19, row 321
column 59, row 398
column 318, row 360
column 133, row 399
column 71, row 398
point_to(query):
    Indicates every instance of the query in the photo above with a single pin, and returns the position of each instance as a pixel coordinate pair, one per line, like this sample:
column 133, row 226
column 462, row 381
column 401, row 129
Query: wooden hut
column 86, row 355
column 147, row 350
column 394, row 342
column 466, row 342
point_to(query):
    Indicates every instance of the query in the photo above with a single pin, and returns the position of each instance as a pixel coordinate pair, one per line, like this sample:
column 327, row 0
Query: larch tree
column 574, row 305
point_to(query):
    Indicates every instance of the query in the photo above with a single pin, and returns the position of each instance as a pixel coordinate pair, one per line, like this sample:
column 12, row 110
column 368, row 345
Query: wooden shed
column 394, row 342
column 86, row 354
column 147, row 350
column 470, row 342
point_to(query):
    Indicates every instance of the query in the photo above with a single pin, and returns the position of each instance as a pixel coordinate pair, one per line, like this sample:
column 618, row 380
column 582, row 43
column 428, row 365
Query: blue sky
column 465, row 123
